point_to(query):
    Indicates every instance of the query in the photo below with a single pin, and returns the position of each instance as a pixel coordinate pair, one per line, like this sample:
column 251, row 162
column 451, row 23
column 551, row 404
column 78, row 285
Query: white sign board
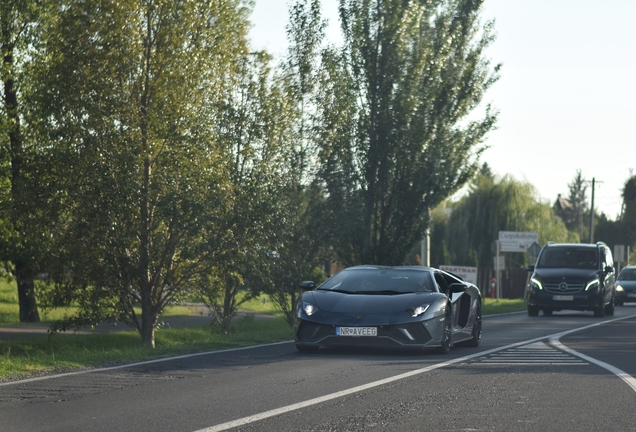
column 469, row 274
column 512, row 241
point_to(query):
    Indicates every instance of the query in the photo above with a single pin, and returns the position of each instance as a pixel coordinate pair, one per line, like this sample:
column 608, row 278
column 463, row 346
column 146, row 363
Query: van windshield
column 569, row 257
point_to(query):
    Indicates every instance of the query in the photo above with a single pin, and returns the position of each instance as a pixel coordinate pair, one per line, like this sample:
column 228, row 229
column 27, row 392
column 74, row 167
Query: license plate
column 563, row 297
column 356, row 331
column 631, row 295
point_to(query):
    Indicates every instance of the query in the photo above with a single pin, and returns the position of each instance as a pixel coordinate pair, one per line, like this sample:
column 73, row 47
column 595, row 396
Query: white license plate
column 356, row 331
column 563, row 297
column 631, row 295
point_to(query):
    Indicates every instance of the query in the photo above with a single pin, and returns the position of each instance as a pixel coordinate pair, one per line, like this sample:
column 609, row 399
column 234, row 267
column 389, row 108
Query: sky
column 566, row 95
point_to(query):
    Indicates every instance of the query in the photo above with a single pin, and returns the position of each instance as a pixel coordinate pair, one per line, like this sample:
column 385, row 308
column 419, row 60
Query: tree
column 395, row 139
column 298, row 243
column 24, row 211
column 573, row 214
column 629, row 210
column 131, row 96
column 498, row 205
column 255, row 121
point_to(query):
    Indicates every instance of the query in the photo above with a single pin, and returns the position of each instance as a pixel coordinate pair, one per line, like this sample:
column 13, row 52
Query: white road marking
column 554, row 340
column 534, row 354
column 314, row 401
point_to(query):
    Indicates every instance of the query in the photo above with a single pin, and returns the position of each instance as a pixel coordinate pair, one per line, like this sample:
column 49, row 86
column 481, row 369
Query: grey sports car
column 416, row 307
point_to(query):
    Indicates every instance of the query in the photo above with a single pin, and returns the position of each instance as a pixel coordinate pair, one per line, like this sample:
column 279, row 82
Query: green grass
column 498, row 306
column 20, row 358
column 23, row 357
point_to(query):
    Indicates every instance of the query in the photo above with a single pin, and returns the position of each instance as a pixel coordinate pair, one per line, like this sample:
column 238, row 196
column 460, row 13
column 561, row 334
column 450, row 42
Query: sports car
column 409, row 306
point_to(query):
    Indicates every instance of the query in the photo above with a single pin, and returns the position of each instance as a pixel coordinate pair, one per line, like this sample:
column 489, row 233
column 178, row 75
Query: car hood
column 567, row 273
column 369, row 309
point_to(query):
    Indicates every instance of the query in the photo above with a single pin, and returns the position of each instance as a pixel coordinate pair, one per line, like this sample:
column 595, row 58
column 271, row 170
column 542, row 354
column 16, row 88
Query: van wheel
column 533, row 311
column 609, row 309
column 599, row 311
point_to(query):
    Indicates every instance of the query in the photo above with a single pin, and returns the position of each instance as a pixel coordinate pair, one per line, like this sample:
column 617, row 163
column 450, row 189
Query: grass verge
column 23, row 357
column 498, row 306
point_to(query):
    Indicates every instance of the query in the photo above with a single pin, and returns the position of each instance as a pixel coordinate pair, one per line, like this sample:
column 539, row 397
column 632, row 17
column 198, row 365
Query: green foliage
column 629, row 211
column 395, row 137
column 131, row 113
column 492, row 206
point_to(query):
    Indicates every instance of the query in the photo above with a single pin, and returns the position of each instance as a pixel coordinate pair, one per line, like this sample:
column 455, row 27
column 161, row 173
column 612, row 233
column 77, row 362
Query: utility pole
column 592, row 213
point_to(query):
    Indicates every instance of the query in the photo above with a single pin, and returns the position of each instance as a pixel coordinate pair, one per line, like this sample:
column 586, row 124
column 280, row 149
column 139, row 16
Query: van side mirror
column 307, row 285
column 530, row 268
column 609, row 269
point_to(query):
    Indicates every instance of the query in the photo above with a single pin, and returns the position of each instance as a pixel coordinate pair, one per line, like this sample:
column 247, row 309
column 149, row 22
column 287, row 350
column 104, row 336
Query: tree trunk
column 149, row 317
column 26, row 296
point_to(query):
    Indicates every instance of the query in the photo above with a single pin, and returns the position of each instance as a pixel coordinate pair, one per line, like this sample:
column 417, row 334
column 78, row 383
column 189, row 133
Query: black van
column 572, row 276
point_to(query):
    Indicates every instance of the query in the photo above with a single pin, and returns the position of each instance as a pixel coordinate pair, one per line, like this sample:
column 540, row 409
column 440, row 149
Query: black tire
column 307, row 348
column 547, row 312
column 533, row 311
column 599, row 311
column 445, row 347
column 475, row 340
column 609, row 308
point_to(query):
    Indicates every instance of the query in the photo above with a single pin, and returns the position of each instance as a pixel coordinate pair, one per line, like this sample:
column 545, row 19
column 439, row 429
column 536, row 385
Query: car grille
column 563, row 287
column 401, row 334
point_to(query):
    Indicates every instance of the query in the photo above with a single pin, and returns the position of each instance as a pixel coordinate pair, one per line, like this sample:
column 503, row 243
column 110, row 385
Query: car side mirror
column 457, row 288
column 307, row 285
column 609, row 269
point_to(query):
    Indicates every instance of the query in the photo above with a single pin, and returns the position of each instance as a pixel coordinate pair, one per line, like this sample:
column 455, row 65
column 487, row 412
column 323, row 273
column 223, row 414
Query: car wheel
column 475, row 340
column 600, row 311
column 307, row 348
column 547, row 312
column 444, row 348
column 609, row 309
column 533, row 311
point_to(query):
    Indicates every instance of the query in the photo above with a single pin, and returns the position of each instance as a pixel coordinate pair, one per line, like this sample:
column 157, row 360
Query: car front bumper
column 576, row 301
column 414, row 334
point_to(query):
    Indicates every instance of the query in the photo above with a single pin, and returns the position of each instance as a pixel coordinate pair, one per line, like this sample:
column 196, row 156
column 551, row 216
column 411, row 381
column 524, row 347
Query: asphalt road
column 519, row 379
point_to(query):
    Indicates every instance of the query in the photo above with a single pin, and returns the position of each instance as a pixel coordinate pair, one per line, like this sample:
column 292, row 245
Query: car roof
column 578, row 245
column 381, row 267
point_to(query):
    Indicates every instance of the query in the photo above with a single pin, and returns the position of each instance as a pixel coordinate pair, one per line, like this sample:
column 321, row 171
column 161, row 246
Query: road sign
column 512, row 241
column 533, row 252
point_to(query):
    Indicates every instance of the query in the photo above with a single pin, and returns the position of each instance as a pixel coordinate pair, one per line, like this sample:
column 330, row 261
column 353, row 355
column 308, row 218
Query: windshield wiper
column 336, row 290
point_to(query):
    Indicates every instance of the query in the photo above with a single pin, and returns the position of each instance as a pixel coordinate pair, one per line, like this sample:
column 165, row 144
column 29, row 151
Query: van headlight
column 592, row 285
column 536, row 284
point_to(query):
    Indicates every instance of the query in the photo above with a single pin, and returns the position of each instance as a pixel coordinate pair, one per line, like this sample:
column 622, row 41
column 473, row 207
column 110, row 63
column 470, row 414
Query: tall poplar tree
column 397, row 139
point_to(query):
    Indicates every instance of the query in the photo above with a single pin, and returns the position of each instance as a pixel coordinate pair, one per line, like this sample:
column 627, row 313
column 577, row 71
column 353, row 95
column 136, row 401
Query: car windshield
column 627, row 274
column 568, row 257
column 379, row 281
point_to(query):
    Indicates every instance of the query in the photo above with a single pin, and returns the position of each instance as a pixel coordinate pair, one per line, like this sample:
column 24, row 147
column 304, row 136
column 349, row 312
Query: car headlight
column 591, row 285
column 536, row 283
column 417, row 311
column 309, row 309
column 619, row 288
